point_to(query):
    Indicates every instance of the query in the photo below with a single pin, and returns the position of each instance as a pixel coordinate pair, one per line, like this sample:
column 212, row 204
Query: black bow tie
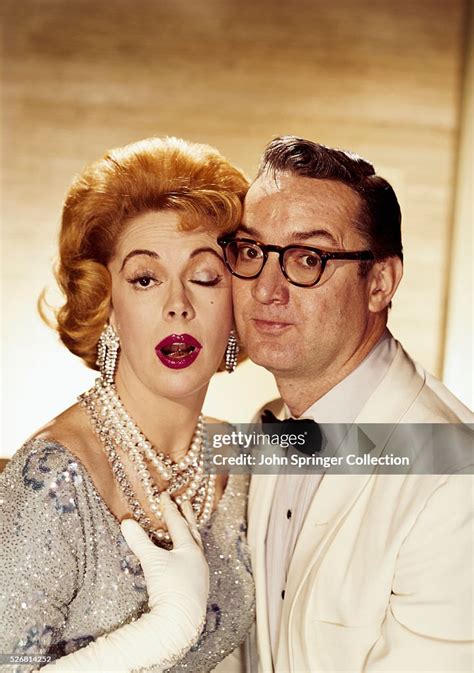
column 296, row 426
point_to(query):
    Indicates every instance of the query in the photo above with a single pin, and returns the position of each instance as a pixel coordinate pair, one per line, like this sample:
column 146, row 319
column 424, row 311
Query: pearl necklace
column 117, row 430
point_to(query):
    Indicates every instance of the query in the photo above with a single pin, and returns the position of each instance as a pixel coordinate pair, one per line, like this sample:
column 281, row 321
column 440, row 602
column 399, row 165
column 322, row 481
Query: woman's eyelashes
column 146, row 280
column 143, row 280
column 208, row 282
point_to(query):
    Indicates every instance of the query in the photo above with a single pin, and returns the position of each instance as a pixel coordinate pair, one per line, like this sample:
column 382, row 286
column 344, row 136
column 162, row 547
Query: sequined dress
column 67, row 575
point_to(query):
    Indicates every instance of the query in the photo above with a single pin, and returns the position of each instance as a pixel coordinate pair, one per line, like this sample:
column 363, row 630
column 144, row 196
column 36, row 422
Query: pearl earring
column 231, row 353
column 107, row 352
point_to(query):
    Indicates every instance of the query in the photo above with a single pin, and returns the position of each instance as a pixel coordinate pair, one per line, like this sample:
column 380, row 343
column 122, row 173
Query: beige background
column 384, row 78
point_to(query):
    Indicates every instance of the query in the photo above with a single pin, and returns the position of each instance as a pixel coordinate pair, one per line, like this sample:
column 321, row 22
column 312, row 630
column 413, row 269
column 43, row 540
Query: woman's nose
column 178, row 306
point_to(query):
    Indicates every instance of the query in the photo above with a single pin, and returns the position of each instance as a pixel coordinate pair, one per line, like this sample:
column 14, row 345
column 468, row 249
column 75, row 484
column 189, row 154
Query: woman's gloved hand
column 178, row 586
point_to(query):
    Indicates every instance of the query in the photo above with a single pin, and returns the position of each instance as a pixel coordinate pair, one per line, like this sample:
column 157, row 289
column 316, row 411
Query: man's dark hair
column 379, row 220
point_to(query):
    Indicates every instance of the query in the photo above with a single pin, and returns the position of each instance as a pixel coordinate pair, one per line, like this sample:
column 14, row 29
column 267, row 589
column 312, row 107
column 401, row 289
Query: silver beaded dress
column 67, row 576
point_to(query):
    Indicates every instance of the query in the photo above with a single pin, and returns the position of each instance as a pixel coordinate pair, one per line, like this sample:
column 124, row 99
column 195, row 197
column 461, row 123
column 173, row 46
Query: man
column 367, row 572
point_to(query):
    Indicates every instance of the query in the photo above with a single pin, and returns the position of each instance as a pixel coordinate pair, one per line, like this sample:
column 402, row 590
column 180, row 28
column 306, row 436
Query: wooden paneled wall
column 381, row 78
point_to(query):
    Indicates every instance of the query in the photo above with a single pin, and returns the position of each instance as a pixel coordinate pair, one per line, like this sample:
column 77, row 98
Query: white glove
column 178, row 586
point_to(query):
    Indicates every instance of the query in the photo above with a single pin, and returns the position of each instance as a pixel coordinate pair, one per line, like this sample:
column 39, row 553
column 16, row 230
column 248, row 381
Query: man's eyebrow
column 314, row 233
column 298, row 235
column 248, row 230
column 134, row 253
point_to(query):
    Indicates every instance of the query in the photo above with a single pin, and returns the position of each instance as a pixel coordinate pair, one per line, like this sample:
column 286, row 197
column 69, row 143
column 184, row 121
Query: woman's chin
column 180, row 384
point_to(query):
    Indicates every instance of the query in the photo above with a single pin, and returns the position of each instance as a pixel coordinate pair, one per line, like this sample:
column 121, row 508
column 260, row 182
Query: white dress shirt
column 295, row 492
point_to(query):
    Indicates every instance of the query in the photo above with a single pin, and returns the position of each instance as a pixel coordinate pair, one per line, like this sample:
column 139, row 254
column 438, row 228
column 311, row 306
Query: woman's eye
column 206, row 280
column 143, row 282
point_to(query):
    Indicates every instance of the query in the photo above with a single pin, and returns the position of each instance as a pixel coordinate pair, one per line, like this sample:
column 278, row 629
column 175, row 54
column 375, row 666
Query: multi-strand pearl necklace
column 117, row 430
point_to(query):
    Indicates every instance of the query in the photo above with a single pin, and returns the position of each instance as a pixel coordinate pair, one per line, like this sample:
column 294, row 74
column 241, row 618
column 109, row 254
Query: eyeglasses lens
column 302, row 266
column 244, row 258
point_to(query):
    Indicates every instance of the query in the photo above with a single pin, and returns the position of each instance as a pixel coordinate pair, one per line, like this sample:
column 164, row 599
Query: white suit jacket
column 380, row 579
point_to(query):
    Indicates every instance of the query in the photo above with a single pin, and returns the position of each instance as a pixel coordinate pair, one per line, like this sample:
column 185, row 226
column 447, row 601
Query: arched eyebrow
column 134, row 253
column 198, row 251
column 155, row 255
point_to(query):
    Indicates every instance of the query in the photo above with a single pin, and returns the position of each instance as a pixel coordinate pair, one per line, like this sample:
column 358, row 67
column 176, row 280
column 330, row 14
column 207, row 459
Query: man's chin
column 272, row 359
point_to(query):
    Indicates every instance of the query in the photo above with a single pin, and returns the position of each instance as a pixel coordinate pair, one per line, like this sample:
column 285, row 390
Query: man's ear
column 385, row 277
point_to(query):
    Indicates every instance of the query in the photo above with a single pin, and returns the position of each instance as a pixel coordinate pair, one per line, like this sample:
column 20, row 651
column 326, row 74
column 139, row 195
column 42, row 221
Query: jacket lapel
column 396, row 393
column 262, row 487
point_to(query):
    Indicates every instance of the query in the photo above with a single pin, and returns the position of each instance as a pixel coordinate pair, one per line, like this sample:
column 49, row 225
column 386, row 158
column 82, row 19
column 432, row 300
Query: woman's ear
column 385, row 277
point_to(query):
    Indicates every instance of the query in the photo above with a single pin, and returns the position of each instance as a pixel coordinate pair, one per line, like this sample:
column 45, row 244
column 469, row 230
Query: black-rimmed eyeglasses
column 301, row 265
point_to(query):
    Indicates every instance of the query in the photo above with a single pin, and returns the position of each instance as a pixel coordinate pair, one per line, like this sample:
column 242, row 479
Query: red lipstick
column 178, row 351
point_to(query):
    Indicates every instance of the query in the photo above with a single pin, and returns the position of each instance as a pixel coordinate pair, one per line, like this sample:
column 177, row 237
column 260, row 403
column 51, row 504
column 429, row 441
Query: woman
column 148, row 299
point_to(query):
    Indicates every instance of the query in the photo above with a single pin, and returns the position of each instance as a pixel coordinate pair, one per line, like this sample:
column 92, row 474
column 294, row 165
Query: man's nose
column 178, row 305
column 271, row 285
